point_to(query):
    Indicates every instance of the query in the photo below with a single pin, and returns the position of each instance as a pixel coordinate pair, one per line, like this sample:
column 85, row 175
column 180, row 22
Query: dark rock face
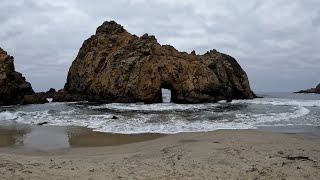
column 312, row 90
column 50, row 93
column 63, row 96
column 13, row 86
column 115, row 66
column 37, row 98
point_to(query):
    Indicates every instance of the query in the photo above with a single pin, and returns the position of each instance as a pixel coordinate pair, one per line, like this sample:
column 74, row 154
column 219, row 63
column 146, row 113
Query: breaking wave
column 169, row 118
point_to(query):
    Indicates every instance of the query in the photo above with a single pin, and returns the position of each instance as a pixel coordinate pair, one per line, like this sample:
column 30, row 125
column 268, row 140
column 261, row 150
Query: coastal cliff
column 14, row 89
column 13, row 85
column 116, row 66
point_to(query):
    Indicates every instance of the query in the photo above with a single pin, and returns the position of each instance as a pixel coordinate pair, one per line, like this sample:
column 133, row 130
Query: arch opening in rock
column 166, row 95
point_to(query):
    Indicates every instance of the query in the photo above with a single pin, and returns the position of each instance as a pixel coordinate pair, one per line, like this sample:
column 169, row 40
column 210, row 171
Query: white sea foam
column 6, row 115
column 176, row 117
column 154, row 107
column 281, row 102
column 299, row 111
column 168, row 128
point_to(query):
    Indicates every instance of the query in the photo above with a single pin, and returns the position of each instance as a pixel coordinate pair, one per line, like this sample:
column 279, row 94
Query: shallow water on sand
column 54, row 137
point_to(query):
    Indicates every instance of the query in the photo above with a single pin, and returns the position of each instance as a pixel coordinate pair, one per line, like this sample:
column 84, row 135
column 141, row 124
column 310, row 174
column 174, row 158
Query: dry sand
column 223, row 154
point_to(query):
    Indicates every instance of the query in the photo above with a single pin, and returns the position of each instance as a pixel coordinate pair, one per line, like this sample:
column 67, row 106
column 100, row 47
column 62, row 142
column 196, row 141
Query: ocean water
column 274, row 110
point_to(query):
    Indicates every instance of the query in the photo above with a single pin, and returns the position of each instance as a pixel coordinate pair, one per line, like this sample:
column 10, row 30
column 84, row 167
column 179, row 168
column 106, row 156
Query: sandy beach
column 222, row 154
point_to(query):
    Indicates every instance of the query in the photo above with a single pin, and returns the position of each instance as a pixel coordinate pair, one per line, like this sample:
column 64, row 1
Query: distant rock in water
column 116, row 66
column 13, row 86
column 312, row 90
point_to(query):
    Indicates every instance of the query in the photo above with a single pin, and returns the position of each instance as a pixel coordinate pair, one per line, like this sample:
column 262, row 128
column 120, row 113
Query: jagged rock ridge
column 13, row 86
column 115, row 66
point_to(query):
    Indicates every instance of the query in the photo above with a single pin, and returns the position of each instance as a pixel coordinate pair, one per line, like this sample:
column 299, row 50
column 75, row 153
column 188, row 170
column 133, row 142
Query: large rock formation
column 115, row 66
column 312, row 90
column 13, row 86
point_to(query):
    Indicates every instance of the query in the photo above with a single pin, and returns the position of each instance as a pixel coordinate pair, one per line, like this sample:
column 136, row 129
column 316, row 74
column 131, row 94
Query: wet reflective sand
column 51, row 137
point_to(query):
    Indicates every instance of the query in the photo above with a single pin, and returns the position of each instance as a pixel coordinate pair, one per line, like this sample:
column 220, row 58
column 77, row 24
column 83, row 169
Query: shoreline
column 221, row 154
column 55, row 138
column 48, row 138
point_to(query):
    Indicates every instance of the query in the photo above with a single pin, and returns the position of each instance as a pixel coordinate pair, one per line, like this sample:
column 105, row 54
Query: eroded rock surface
column 13, row 86
column 116, row 66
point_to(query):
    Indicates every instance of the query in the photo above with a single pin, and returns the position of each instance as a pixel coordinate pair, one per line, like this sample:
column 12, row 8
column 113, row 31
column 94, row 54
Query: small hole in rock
column 166, row 95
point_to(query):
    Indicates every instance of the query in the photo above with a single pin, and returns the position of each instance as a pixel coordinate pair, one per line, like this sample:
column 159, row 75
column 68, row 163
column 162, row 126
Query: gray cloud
column 275, row 41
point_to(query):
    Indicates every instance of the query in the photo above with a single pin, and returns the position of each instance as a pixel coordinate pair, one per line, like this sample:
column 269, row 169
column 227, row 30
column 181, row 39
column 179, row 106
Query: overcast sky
column 277, row 42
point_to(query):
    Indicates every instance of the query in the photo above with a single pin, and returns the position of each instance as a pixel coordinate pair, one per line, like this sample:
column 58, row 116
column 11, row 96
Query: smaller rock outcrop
column 37, row 98
column 13, row 86
column 50, row 93
column 63, row 96
column 312, row 90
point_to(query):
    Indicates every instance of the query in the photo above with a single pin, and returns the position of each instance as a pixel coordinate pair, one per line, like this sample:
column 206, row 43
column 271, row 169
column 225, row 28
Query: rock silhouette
column 50, row 93
column 312, row 90
column 13, row 86
column 116, row 66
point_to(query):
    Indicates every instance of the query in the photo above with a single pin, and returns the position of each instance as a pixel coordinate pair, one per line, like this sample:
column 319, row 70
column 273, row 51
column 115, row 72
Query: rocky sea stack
column 13, row 86
column 116, row 66
column 312, row 90
column 14, row 89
